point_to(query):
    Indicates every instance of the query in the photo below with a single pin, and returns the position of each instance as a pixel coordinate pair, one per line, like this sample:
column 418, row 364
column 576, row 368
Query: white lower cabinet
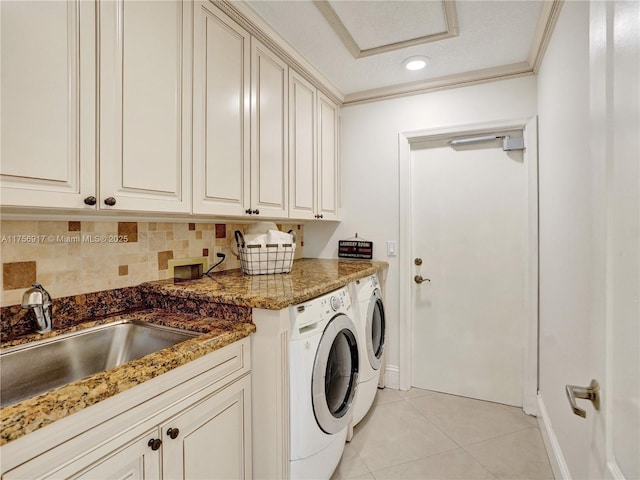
column 134, row 461
column 210, row 437
column 201, row 428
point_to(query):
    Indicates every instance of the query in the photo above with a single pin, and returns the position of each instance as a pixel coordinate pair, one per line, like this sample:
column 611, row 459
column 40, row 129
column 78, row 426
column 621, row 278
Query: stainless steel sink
column 28, row 370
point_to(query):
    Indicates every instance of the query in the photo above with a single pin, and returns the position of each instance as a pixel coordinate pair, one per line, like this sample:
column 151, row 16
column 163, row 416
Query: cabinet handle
column 249, row 211
column 90, row 201
column 155, row 443
column 173, row 433
column 110, row 201
column 256, row 211
column 321, row 216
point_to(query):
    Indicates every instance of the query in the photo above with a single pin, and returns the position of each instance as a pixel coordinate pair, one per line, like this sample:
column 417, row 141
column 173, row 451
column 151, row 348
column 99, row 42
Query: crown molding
column 441, row 83
column 451, row 30
column 546, row 24
column 544, row 30
column 241, row 13
column 254, row 24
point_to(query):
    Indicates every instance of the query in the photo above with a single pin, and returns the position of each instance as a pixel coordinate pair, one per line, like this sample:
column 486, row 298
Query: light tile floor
column 425, row 435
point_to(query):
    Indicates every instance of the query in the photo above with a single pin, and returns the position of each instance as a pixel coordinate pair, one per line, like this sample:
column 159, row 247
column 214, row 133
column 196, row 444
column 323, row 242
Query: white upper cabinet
column 302, row 148
column 269, row 133
column 240, row 162
column 145, row 105
column 148, row 106
column 221, row 96
column 313, row 152
column 47, row 136
column 328, row 159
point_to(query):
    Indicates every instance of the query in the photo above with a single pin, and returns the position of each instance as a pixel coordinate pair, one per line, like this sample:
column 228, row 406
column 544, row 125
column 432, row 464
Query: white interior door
column 615, row 149
column 469, row 218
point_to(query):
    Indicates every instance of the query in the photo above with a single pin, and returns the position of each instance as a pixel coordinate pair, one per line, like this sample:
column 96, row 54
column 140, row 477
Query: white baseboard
column 392, row 377
column 554, row 452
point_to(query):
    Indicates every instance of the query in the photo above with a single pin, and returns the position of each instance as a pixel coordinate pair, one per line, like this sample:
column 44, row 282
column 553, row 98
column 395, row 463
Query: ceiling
column 360, row 45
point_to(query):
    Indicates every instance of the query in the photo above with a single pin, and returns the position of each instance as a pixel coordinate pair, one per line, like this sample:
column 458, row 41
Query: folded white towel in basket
column 273, row 237
column 276, row 236
column 256, row 239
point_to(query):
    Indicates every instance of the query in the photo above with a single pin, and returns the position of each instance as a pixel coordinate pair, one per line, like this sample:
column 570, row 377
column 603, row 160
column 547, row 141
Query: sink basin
column 28, row 370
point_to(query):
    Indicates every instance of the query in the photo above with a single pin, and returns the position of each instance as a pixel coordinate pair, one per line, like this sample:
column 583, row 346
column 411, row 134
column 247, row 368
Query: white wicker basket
column 267, row 259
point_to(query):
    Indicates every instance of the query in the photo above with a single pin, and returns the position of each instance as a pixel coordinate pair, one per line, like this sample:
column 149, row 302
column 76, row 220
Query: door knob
column 110, row 201
column 419, row 279
column 90, row 200
column 173, row 433
column 592, row 392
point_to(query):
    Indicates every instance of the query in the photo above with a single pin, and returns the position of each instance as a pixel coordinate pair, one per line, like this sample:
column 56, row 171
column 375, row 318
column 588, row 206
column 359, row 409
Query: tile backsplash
column 71, row 258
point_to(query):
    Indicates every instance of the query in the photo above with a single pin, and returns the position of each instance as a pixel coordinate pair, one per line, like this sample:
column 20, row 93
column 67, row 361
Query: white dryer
column 323, row 370
column 371, row 327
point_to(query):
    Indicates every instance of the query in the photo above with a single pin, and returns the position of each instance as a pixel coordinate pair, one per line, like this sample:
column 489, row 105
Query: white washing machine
column 323, row 371
column 370, row 324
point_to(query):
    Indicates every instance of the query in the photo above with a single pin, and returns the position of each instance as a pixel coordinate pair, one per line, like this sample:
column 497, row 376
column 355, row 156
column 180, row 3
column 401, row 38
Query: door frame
column 529, row 127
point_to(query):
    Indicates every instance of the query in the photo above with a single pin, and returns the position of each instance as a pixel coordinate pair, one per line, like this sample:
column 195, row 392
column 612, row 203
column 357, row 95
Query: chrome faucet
column 39, row 300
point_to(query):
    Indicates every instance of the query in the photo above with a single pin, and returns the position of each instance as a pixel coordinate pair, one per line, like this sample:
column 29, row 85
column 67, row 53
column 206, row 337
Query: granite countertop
column 309, row 278
column 219, row 307
column 29, row 415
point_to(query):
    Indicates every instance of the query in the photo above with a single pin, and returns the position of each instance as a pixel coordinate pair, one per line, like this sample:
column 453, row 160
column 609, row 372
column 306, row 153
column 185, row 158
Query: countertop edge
column 177, row 290
column 34, row 413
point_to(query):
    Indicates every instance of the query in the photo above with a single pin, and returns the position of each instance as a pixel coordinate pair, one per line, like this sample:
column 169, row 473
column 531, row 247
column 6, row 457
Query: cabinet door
column 118, row 459
column 135, row 461
column 213, row 437
column 222, row 63
column 328, row 167
column 47, row 133
column 145, row 105
column 302, row 148
column 269, row 132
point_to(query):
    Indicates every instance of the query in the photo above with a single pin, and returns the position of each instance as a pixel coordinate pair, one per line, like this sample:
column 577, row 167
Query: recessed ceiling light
column 417, row 62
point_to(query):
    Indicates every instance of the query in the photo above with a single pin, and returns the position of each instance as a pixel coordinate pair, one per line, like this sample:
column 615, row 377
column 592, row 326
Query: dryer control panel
column 315, row 313
column 335, row 301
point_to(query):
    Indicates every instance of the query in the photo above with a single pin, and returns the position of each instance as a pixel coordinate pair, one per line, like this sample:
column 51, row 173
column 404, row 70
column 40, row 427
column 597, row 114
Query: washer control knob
column 335, row 303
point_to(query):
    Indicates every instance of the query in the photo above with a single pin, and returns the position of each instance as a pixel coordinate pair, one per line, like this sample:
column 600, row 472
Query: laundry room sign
column 355, row 249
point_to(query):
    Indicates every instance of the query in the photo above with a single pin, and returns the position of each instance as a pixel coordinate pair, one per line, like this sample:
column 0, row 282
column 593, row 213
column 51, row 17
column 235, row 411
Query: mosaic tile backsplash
column 72, row 258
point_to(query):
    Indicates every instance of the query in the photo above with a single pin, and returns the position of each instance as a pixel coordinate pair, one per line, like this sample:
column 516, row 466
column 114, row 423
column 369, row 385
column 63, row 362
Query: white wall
column 566, row 235
column 370, row 197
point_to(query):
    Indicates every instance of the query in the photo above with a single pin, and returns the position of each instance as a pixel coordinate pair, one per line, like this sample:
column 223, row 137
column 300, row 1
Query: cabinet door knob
column 256, row 211
column 249, row 211
column 155, row 443
column 321, row 216
column 110, row 201
column 173, row 433
column 90, row 200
